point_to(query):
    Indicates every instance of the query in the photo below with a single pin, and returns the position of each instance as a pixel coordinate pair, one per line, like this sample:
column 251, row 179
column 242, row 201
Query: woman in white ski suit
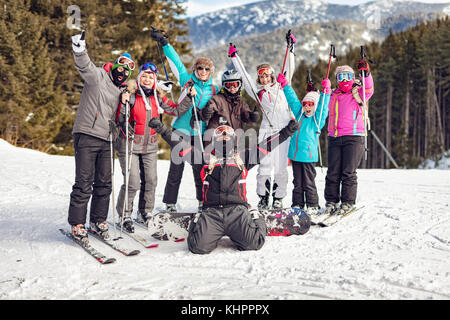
column 276, row 115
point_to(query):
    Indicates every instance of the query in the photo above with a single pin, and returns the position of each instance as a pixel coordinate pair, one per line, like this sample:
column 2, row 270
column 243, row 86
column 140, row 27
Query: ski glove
column 159, row 37
column 165, row 85
column 78, row 42
column 291, row 127
column 310, row 87
column 123, row 127
column 290, row 37
column 156, row 124
column 363, row 66
column 207, row 111
column 254, row 116
column 281, row 79
column 232, row 51
column 326, row 85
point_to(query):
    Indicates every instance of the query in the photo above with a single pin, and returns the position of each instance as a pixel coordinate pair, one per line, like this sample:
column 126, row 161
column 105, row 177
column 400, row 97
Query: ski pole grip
column 363, row 52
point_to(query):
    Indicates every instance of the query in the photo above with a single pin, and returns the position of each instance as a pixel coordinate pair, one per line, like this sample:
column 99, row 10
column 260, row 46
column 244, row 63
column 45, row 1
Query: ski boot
column 277, row 203
column 344, row 208
column 330, row 208
column 127, row 225
column 171, row 207
column 263, row 203
column 142, row 217
column 100, row 228
column 79, row 232
column 313, row 211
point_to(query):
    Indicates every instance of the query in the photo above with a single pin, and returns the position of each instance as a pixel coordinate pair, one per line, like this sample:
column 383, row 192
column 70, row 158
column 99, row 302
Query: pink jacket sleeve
column 369, row 87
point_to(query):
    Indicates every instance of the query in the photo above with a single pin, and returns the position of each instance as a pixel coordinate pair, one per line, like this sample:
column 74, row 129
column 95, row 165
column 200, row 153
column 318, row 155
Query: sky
column 196, row 7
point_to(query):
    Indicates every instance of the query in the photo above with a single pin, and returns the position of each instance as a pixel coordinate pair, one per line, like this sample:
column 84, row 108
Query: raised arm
column 175, row 63
column 253, row 156
column 249, row 83
column 88, row 71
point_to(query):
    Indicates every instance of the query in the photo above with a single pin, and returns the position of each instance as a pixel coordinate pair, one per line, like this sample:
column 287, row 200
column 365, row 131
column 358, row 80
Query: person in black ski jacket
column 225, row 210
column 91, row 132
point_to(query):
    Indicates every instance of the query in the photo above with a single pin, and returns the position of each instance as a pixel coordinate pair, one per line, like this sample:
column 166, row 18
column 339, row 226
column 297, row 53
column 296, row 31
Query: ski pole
column 290, row 39
column 163, row 63
column 112, row 177
column 366, row 117
column 198, row 124
column 332, row 55
column 258, row 102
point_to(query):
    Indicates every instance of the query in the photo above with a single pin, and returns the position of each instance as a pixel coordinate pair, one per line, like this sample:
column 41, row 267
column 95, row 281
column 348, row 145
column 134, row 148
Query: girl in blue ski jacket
column 311, row 113
column 200, row 79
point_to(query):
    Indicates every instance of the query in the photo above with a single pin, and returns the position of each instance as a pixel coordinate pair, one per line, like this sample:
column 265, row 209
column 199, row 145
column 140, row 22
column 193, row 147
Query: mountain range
column 258, row 29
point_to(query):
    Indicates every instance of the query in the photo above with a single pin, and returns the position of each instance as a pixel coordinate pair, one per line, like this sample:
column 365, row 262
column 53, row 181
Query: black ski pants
column 344, row 156
column 305, row 190
column 244, row 230
column 176, row 173
column 92, row 179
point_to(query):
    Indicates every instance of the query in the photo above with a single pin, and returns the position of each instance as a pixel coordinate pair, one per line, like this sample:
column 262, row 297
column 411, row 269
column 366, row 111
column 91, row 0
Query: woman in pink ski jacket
column 346, row 133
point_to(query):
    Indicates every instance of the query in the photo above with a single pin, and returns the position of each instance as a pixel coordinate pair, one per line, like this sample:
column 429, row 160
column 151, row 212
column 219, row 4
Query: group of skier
column 208, row 122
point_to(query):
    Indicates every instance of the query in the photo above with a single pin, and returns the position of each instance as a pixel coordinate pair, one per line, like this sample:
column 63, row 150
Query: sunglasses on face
column 202, row 68
column 126, row 62
column 235, row 84
column 149, row 67
column 347, row 76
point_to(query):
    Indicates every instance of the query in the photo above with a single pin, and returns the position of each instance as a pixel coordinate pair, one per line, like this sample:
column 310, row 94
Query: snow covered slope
column 397, row 247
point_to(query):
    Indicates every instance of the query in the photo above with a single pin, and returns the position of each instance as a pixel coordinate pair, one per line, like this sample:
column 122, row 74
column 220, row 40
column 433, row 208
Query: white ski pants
column 277, row 160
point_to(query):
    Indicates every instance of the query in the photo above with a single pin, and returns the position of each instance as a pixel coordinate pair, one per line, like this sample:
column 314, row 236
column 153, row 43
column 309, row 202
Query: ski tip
column 179, row 240
column 151, row 246
column 107, row 261
column 134, row 253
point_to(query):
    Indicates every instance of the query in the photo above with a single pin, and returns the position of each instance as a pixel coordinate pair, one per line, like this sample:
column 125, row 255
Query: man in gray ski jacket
column 91, row 131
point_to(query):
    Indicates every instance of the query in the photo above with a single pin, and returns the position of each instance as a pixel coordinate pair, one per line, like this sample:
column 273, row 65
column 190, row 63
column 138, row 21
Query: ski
column 139, row 238
column 172, row 226
column 328, row 221
column 113, row 244
column 89, row 249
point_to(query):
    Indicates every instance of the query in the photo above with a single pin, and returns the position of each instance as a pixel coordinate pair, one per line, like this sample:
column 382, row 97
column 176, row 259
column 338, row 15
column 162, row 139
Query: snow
column 396, row 247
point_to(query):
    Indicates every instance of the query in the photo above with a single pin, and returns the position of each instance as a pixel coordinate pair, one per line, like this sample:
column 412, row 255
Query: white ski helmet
column 231, row 76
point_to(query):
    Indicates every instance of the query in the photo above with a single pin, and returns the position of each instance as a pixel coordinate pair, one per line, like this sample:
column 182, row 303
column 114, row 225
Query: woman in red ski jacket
column 146, row 103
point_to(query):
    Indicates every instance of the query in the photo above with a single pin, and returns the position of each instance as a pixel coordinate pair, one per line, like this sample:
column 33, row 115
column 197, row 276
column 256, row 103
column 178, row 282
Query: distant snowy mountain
column 216, row 28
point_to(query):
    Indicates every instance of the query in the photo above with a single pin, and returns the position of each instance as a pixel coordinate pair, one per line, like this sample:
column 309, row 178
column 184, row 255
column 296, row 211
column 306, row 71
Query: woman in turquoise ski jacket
column 311, row 113
column 200, row 79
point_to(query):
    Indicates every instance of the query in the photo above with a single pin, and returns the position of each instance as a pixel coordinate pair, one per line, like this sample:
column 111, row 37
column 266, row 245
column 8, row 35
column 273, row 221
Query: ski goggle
column 125, row 61
column 148, row 67
column 308, row 104
column 347, row 76
column 223, row 130
column 264, row 71
column 230, row 84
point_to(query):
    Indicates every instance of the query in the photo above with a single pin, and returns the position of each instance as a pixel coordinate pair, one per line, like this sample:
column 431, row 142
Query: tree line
column 40, row 87
column 411, row 71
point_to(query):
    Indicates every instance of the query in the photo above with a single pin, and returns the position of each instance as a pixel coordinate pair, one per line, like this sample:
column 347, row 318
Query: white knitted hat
column 344, row 68
column 312, row 96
